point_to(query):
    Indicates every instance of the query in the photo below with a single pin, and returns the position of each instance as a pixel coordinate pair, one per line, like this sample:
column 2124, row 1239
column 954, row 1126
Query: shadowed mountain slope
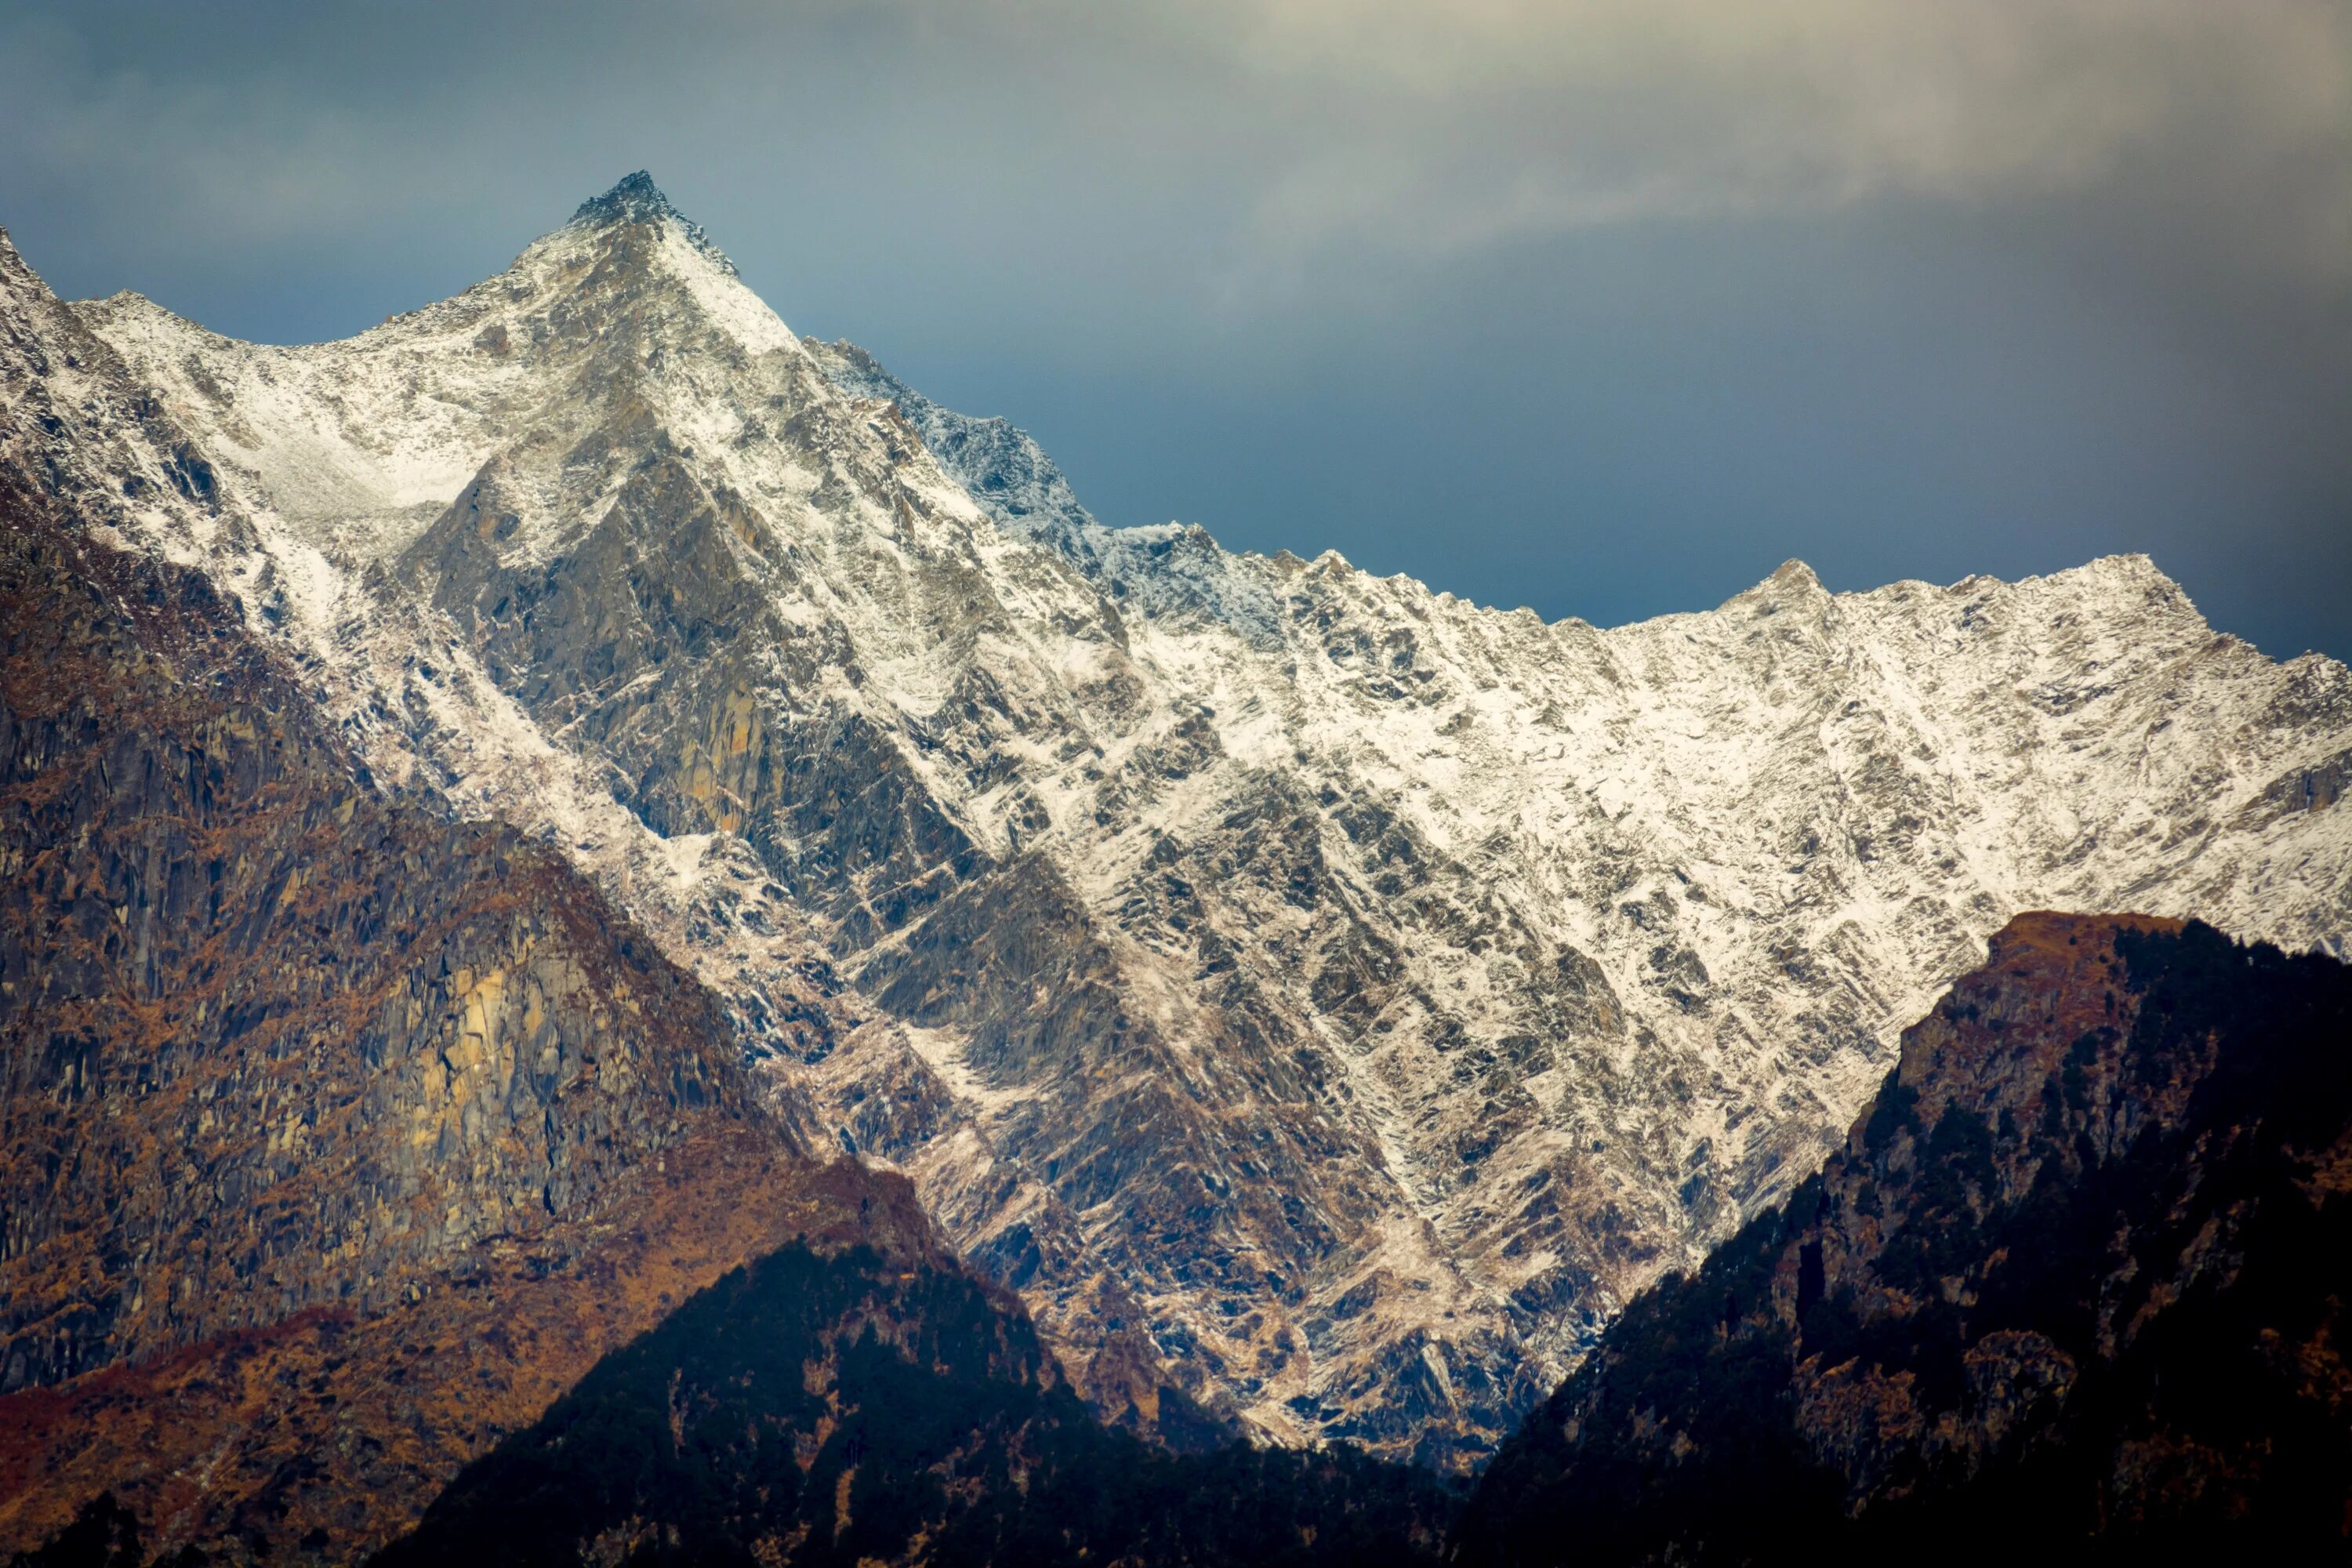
column 2074, row 1287
column 817, row 1411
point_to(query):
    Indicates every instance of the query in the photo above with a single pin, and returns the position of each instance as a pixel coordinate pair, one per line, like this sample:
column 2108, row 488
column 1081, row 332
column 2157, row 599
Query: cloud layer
column 1496, row 118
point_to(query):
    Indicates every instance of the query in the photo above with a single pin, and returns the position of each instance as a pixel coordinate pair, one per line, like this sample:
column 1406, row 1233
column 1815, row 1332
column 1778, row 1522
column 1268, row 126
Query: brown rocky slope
column 336, row 1137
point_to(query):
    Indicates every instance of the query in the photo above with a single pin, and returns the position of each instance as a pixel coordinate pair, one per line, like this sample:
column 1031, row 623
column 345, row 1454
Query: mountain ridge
column 1404, row 983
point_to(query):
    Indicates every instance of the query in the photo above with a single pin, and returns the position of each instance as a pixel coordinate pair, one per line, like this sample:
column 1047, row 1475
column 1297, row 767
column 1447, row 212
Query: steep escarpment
column 2078, row 1280
column 336, row 1136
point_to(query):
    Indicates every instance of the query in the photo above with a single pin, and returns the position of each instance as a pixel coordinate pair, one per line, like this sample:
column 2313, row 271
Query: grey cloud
column 1603, row 305
column 1306, row 129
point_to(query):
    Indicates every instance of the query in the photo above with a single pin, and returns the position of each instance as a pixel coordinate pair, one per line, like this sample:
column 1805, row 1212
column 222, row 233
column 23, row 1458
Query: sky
column 1603, row 307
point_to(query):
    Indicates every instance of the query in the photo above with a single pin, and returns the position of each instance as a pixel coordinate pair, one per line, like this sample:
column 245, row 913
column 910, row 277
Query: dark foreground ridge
column 839, row 1411
column 2076, row 1287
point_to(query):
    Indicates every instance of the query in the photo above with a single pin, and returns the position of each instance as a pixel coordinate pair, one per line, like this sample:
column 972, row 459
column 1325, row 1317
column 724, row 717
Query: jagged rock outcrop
column 1355, row 993
column 2075, row 1286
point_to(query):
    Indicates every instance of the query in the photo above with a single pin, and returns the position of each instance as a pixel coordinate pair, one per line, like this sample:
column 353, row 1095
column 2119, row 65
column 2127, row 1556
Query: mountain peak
column 1792, row 582
column 636, row 199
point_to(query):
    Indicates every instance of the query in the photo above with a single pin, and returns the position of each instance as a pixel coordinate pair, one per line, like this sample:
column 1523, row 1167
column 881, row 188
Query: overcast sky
column 1604, row 307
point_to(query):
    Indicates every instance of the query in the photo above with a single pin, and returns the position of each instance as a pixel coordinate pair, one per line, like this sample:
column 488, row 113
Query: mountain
column 836, row 1411
column 2076, row 1287
column 1324, row 998
column 340, row 1142
column 338, row 1135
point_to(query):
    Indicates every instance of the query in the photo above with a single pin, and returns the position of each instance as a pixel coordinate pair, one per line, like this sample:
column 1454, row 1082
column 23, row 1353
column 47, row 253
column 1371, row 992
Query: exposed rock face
column 239, row 984
column 2078, row 1280
column 1351, row 992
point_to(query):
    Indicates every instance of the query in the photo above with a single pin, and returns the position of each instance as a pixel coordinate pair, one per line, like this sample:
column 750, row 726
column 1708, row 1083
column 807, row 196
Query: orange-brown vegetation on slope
column 272, row 1040
column 2047, row 979
column 327, row 1433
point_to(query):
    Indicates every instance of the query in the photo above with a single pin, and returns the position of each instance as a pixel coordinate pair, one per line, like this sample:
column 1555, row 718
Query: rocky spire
column 636, row 199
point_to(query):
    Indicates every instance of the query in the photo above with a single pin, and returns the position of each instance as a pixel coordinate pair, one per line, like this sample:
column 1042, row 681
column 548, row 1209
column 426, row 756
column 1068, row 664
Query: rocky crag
column 2076, row 1287
column 243, row 983
column 1320, row 996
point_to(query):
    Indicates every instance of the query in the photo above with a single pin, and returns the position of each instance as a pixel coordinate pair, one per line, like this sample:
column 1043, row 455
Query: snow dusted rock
column 1346, row 994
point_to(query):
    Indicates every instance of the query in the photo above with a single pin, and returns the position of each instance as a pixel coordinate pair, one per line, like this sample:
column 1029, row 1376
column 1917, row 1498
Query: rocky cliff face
column 1312, row 991
column 336, row 1135
column 2078, row 1278
column 239, row 982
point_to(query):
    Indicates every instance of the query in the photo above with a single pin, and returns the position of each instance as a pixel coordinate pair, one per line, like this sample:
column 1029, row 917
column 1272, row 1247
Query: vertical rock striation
column 275, row 1042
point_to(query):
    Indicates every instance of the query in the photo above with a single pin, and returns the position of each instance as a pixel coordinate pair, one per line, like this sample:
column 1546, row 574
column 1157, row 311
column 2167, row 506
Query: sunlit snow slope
column 1329, row 995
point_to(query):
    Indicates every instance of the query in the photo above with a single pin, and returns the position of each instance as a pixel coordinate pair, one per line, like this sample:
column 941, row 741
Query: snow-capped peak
column 636, row 199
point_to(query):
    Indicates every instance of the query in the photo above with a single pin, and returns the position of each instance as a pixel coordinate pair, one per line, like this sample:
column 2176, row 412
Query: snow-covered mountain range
column 1320, row 993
